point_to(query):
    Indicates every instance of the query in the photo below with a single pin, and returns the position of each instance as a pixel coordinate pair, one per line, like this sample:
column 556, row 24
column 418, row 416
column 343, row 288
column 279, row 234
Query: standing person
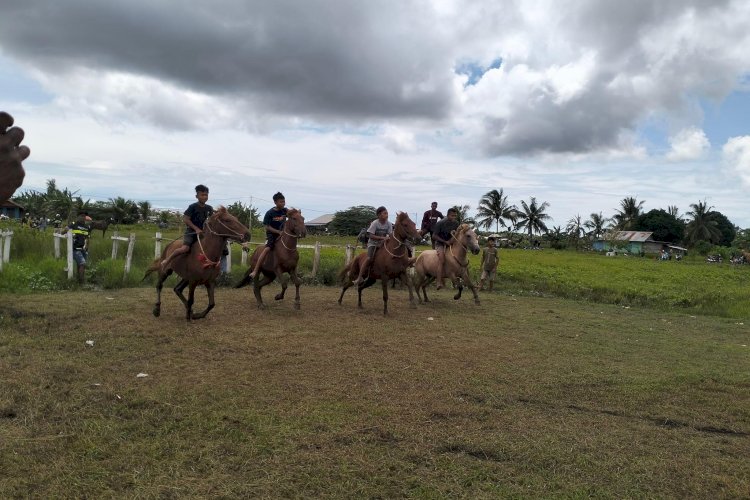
column 489, row 264
column 443, row 234
column 194, row 218
column 380, row 230
column 274, row 222
column 81, row 234
column 429, row 219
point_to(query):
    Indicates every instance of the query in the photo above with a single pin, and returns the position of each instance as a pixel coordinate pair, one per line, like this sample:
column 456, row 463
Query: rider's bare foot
column 11, row 156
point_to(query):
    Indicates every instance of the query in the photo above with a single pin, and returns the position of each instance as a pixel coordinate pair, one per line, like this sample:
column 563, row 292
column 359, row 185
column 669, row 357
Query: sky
column 578, row 103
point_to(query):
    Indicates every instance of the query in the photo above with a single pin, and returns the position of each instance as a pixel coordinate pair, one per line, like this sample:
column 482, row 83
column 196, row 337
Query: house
column 319, row 224
column 11, row 209
column 635, row 242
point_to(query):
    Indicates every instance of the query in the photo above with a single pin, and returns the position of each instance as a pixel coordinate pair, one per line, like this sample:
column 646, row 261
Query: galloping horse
column 390, row 261
column 201, row 265
column 283, row 259
column 456, row 263
column 101, row 224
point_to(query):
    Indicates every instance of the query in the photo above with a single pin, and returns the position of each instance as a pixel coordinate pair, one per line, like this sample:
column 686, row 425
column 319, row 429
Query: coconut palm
column 701, row 226
column 531, row 216
column 575, row 229
column 144, row 208
column 627, row 216
column 596, row 224
column 462, row 214
column 494, row 207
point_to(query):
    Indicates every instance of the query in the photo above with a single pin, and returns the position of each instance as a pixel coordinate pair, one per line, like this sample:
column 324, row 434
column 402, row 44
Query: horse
column 456, row 265
column 101, row 224
column 390, row 261
column 282, row 259
column 200, row 266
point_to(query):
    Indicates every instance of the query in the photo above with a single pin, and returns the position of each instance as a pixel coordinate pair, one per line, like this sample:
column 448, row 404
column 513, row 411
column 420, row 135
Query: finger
column 10, row 140
column 22, row 153
column 5, row 121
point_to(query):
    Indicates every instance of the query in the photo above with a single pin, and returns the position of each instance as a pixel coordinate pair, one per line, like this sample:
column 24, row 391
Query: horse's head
column 466, row 236
column 222, row 223
column 405, row 229
column 295, row 223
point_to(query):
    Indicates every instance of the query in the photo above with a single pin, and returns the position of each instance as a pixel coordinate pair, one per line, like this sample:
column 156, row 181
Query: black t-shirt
column 444, row 228
column 198, row 215
column 80, row 234
column 275, row 219
column 430, row 218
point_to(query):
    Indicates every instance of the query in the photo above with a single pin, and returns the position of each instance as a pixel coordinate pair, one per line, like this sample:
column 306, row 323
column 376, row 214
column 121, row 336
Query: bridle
column 234, row 235
column 465, row 247
column 291, row 235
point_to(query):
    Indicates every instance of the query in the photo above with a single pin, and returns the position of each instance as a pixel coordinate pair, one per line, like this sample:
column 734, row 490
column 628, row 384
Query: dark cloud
column 342, row 60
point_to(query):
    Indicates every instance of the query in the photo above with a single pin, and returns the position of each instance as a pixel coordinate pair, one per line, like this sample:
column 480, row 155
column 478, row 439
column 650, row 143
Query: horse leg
column 210, row 287
column 405, row 278
column 178, row 290
column 159, row 286
column 190, row 301
column 258, row 284
column 384, row 281
column 471, row 286
column 284, row 280
column 297, row 282
column 367, row 283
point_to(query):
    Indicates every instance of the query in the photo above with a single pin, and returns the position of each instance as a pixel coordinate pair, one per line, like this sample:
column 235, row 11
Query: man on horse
column 194, row 217
column 380, row 230
column 274, row 222
column 443, row 234
column 429, row 219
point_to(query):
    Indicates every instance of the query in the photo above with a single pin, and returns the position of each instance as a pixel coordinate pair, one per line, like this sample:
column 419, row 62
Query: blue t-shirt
column 275, row 218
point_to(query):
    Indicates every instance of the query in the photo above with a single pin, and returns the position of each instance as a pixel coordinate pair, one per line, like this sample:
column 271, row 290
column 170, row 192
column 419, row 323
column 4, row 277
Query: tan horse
column 282, row 259
column 390, row 261
column 456, row 265
column 200, row 266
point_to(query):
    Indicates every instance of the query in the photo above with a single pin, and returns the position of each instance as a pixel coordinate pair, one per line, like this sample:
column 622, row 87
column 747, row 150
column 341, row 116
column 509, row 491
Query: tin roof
column 320, row 221
column 636, row 236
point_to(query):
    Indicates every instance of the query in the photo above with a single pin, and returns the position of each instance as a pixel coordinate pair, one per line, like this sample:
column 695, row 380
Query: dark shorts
column 80, row 256
column 189, row 239
column 271, row 240
column 371, row 249
column 439, row 247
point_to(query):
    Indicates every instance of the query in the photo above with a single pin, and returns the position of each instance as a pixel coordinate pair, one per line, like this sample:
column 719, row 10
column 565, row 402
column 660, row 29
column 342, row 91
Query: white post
column 229, row 258
column 115, row 244
column 316, row 259
column 244, row 256
column 129, row 258
column 6, row 252
column 71, row 268
column 57, row 244
column 2, row 258
column 157, row 247
column 349, row 250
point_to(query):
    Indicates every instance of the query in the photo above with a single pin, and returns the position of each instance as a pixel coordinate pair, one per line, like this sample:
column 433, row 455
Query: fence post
column 244, row 257
column 2, row 257
column 316, row 259
column 69, row 245
column 129, row 258
column 115, row 244
column 6, row 251
column 229, row 258
column 349, row 251
column 157, row 246
column 57, row 244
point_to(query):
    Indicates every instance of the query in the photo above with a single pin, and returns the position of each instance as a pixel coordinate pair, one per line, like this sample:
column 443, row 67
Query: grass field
column 522, row 396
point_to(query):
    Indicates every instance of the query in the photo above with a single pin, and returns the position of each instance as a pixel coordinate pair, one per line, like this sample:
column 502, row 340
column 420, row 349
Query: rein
column 235, row 234
column 284, row 232
column 466, row 249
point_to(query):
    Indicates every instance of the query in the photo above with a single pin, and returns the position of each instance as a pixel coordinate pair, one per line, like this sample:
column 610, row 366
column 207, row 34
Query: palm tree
column 532, row 217
column 701, row 227
column 494, row 207
column 462, row 214
column 144, row 208
column 627, row 216
column 596, row 224
column 575, row 228
column 673, row 211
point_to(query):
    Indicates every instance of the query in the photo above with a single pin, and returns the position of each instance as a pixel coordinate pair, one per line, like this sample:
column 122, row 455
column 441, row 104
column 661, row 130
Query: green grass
column 691, row 285
column 520, row 397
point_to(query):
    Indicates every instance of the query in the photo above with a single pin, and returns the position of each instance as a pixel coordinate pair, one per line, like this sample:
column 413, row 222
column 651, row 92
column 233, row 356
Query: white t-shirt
column 378, row 229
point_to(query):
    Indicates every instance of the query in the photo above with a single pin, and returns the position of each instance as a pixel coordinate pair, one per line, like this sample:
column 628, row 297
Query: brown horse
column 456, row 265
column 200, row 266
column 282, row 259
column 390, row 261
column 101, row 224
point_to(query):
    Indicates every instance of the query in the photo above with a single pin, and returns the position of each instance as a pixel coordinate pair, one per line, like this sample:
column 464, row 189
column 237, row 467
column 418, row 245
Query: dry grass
column 516, row 397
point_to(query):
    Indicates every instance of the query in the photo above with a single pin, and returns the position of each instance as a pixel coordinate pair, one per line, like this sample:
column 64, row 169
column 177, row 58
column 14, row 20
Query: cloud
column 736, row 154
column 688, row 144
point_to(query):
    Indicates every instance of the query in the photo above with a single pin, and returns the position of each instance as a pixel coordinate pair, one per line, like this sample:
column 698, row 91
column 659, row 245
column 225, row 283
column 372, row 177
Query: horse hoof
column 278, row 296
column 477, row 302
column 261, row 306
column 296, row 306
column 156, row 311
column 456, row 297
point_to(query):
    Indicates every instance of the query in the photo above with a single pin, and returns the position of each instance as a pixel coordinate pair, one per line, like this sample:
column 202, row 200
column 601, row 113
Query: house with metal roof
column 319, row 224
column 635, row 242
column 11, row 209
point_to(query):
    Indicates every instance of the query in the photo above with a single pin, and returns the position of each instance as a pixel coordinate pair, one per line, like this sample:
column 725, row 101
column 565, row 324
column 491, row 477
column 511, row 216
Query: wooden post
column 157, row 246
column 6, row 246
column 71, row 268
column 2, row 257
column 316, row 259
column 57, row 244
column 115, row 244
column 129, row 257
column 349, row 251
column 244, row 256
column 229, row 258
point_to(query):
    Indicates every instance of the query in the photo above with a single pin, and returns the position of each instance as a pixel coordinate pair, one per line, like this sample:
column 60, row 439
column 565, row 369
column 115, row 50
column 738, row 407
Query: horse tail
column 246, row 279
column 344, row 271
column 155, row 266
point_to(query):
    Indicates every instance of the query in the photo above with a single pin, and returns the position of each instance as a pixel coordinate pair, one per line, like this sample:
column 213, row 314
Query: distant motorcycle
column 714, row 258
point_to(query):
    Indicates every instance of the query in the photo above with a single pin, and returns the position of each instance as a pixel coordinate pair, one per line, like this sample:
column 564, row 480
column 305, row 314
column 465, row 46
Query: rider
column 380, row 230
column 443, row 234
column 194, row 217
column 429, row 219
column 274, row 222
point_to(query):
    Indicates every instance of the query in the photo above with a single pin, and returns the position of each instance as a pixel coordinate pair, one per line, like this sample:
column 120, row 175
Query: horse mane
column 463, row 227
column 293, row 211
